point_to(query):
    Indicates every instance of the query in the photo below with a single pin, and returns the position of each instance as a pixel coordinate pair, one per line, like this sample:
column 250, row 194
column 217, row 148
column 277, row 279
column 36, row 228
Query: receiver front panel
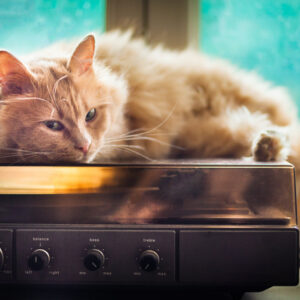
column 116, row 255
column 164, row 256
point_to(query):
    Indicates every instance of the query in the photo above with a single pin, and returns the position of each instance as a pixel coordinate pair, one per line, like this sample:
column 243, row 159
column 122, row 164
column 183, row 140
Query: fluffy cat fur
column 150, row 103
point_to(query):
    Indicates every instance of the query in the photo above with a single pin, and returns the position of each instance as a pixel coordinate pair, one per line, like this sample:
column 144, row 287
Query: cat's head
column 59, row 109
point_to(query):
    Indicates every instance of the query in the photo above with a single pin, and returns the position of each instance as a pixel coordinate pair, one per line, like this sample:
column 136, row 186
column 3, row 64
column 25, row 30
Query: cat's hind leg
column 235, row 133
column 271, row 145
column 269, row 142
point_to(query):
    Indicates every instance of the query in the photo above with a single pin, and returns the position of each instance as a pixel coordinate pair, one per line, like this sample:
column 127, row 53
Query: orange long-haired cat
column 123, row 99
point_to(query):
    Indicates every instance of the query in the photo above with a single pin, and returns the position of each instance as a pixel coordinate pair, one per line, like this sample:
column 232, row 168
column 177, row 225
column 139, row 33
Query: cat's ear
column 14, row 76
column 82, row 58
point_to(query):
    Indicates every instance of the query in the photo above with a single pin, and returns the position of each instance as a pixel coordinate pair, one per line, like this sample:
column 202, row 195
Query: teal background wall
column 260, row 35
column 26, row 25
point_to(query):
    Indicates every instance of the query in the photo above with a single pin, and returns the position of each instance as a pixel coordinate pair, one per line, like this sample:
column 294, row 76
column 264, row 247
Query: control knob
column 38, row 260
column 94, row 259
column 149, row 260
column 1, row 258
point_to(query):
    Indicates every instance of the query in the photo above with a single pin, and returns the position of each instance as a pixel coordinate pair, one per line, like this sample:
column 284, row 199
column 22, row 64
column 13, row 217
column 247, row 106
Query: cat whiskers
column 129, row 148
column 24, row 152
column 53, row 99
column 17, row 158
column 137, row 138
column 54, row 90
column 56, row 84
column 17, row 155
column 25, row 155
column 146, row 134
column 24, row 99
column 161, row 123
column 140, row 134
column 124, row 145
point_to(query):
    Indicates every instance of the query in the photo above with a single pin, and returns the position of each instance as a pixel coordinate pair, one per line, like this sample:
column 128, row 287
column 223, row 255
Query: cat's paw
column 271, row 145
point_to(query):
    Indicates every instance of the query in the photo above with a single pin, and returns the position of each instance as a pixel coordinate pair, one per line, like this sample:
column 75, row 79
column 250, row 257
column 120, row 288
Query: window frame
column 180, row 29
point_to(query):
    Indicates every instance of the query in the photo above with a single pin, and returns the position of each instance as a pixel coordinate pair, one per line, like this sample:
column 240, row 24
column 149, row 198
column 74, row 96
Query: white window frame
column 174, row 23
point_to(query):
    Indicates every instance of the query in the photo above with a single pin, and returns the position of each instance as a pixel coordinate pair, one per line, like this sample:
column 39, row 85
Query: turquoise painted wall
column 260, row 35
column 26, row 25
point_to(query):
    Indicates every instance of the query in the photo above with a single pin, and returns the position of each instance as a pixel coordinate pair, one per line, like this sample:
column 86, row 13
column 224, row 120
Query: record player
column 209, row 224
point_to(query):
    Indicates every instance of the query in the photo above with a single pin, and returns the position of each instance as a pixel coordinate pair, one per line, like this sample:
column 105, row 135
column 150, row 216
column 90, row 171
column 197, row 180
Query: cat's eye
column 90, row 115
column 54, row 125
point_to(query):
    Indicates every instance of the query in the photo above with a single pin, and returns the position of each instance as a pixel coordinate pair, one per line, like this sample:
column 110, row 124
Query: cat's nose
column 83, row 147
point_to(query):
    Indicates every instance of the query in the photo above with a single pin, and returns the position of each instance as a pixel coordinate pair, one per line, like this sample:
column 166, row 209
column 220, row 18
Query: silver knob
column 38, row 260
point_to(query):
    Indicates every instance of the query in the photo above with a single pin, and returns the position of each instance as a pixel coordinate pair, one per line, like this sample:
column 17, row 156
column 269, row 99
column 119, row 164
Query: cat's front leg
column 271, row 145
